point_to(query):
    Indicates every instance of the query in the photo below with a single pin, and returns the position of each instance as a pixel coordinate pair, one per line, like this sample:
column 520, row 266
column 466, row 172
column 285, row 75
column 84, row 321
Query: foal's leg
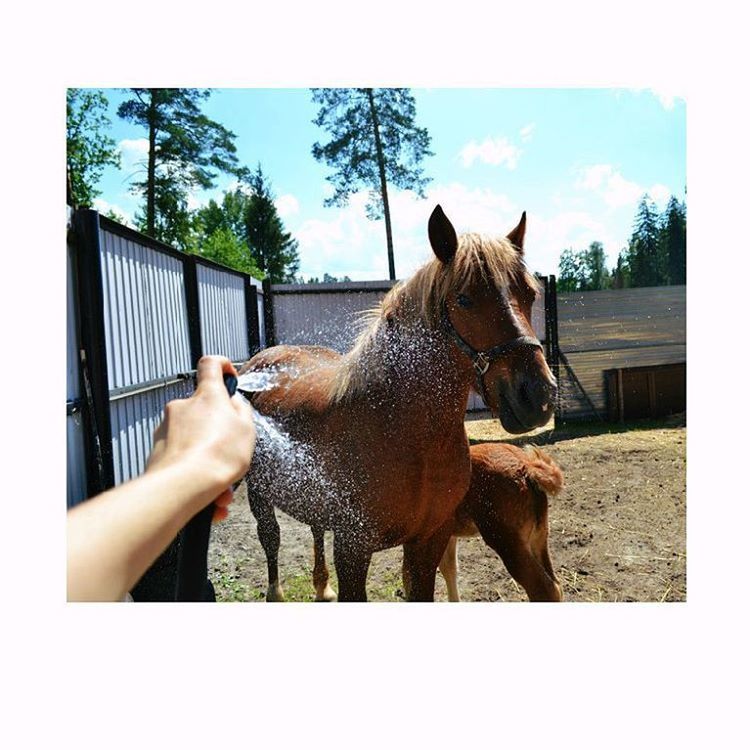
column 269, row 535
column 323, row 590
column 421, row 562
column 352, row 565
column 539, row 545
column 515, row 549
column 449, row 568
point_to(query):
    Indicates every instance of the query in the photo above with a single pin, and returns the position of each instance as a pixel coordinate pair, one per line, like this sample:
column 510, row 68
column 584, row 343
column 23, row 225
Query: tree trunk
column 151, row 176
column 383, row 185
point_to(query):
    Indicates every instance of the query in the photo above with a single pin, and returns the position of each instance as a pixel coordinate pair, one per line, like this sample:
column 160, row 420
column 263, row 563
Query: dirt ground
column 617, row 531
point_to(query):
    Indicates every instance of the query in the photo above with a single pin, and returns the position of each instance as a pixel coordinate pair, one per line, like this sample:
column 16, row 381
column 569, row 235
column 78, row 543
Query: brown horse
column 507, row 504
column 372, row 444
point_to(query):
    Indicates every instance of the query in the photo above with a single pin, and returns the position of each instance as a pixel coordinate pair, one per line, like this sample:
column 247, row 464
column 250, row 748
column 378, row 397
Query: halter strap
column 483, row 359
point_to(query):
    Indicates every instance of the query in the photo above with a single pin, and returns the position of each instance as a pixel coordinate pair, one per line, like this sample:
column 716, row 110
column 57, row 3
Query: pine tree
column 673, row 238
column 89, row 148
column 645, row 259
column 621, row 272
column 570, row 271
column 596, row 274
column 374, row 142
column 274, row 250
column 219, row 233
column 186, row 149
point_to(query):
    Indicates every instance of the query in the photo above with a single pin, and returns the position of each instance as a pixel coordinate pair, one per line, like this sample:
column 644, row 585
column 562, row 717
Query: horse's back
column 501, row 462
column 303, row 376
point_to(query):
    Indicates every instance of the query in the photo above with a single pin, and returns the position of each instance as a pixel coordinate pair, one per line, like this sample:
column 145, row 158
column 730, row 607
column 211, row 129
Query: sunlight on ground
column 481, row 426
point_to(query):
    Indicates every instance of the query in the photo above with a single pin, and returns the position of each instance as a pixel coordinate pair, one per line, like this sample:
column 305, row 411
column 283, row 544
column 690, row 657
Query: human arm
column 203, row 445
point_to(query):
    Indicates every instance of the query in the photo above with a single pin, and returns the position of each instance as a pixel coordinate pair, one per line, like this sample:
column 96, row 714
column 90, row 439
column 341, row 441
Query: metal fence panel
column 134, row 419
column 330, row 319
column 145, row 312
column 222, row 309
column 76, row 460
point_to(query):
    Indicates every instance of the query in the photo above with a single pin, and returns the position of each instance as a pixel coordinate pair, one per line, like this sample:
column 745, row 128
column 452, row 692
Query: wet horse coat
column 387, row 458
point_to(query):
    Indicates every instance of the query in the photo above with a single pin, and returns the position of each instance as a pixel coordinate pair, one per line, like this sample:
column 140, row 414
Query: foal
column 507, row 504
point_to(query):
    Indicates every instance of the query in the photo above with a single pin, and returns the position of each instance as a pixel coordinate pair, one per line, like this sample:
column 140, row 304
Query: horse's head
column 486, row 311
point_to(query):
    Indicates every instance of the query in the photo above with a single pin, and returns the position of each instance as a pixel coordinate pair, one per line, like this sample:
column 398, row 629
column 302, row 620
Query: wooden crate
column 640, row 392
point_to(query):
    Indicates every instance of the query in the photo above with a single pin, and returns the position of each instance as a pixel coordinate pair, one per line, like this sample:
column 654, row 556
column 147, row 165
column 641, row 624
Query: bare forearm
column 115, row 537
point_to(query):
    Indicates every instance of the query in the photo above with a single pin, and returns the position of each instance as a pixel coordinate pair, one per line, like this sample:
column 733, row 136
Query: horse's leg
column 352, row 565
column 515, row 550
column 539, row 545
column 421, row 562
column 269, row 535
column 449, row 568
column 323, row 590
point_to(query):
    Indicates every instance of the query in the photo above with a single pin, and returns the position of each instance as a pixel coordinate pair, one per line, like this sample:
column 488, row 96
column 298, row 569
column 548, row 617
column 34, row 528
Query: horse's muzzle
column 530, row 404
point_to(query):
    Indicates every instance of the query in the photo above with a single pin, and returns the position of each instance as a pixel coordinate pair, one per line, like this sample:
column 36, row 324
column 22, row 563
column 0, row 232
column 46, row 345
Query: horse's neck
column 418, row 374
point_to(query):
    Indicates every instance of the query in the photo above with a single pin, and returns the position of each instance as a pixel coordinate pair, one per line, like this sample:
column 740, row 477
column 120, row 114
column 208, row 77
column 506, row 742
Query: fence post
column 550, row 310
column 251, row 315
column 93, row 353
column 268, row 313
column 190, row 270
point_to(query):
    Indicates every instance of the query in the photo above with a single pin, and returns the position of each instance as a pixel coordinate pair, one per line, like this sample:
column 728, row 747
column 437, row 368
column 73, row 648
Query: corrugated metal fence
column 140, row 315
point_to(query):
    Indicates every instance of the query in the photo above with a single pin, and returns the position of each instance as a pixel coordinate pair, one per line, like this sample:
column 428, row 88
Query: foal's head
column 483, row 298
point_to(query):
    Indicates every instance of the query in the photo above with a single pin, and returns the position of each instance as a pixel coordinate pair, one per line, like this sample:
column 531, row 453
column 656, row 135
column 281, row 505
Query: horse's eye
column 463, row 300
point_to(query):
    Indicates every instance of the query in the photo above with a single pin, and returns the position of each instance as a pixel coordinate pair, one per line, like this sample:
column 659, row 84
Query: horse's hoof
column 329, row 595
column 275, row 594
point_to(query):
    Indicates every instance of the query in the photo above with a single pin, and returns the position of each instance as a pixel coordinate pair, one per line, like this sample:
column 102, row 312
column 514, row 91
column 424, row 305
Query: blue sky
column 577, row 160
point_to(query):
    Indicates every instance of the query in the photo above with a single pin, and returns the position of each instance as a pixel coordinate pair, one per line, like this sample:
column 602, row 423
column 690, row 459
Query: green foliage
column 172, row 221
column 186, row 152
column 570, row 271
column 655, row 255
column 673, row 239
column 274, row 250
column 348, row 116
column 584, row 270
column 223, row 246
column 245, row 232
column 374, row 142
column 89, row 149
column 645, row 257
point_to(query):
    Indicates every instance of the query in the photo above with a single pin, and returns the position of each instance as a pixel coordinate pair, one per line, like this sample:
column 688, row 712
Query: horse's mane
column 493, row 260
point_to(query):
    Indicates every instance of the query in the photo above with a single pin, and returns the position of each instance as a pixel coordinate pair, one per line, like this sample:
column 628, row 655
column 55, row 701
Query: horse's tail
column 543, row 472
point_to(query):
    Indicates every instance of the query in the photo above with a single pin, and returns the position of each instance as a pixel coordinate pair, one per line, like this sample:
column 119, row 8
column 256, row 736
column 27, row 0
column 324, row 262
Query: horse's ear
column 516, row 235
column 442, row 235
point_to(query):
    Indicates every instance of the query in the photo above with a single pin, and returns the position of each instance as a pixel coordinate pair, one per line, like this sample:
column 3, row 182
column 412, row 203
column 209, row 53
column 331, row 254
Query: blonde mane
column 490, row 260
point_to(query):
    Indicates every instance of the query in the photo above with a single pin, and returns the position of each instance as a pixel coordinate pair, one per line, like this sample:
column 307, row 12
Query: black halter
column 483, row 360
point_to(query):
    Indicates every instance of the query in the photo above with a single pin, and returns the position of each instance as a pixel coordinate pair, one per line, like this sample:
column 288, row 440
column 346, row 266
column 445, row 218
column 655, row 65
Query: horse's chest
column 422, row 493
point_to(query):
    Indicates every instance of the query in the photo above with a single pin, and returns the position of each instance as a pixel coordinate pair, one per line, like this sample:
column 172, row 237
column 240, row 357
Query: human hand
column 208, row 435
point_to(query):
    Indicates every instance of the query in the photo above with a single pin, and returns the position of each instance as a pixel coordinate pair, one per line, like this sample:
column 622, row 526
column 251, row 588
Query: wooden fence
column 611, row 329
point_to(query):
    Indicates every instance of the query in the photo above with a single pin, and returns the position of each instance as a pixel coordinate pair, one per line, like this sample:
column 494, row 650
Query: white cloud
column 103, row 207
column 286, row 205
column 133, row 154
column 548, row 237
column 349, row 243
column 527, row 131
column 495, row 151
column 615, row 190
